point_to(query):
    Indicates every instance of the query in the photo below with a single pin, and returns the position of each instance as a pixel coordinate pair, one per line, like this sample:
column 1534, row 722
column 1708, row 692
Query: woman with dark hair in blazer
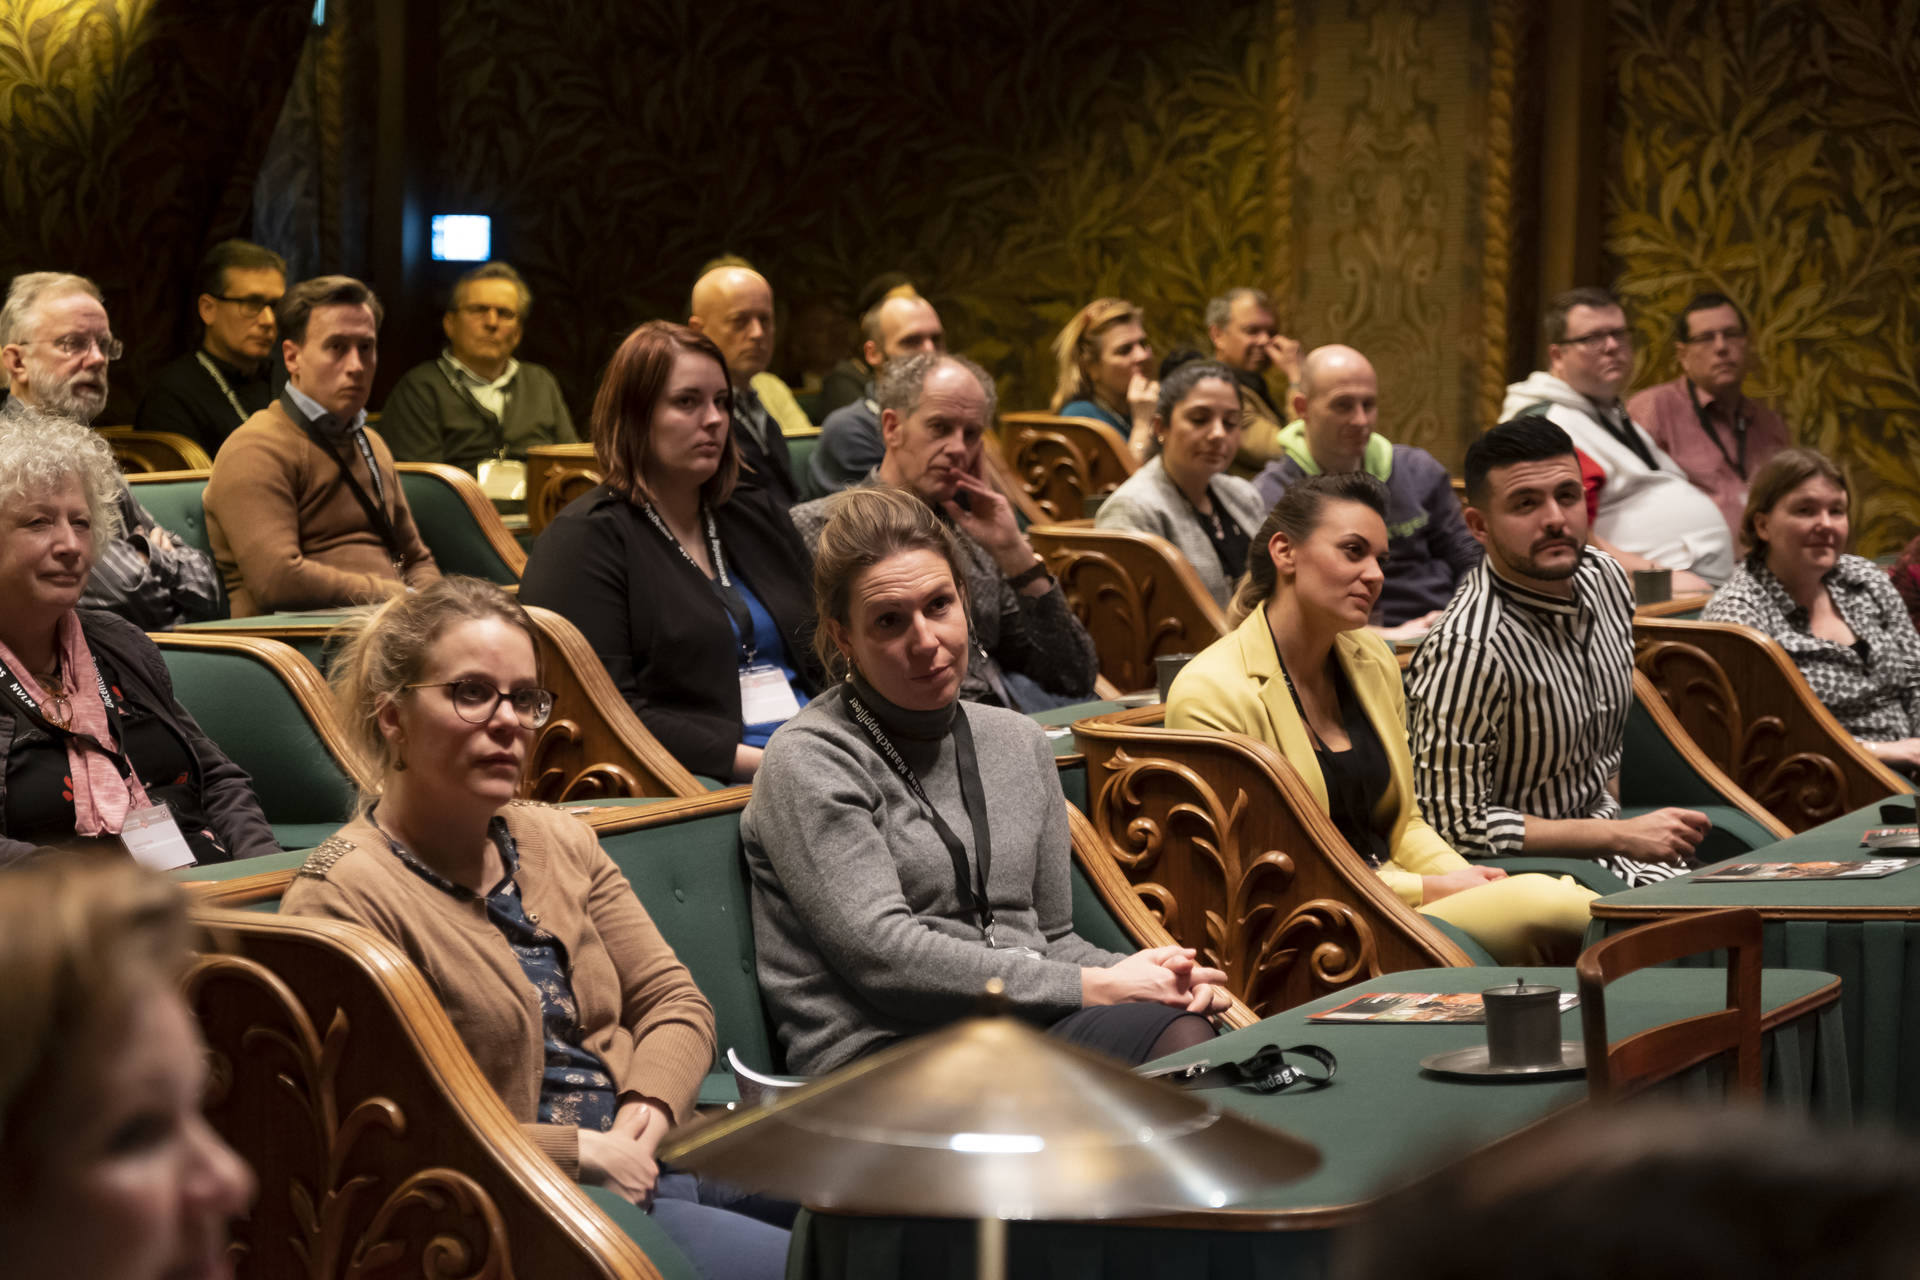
column 698, row 605
column 1301, row 673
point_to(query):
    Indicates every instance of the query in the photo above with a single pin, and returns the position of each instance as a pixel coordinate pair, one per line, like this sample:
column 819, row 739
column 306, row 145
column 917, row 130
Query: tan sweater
column 639, row 1009
column 287, row 532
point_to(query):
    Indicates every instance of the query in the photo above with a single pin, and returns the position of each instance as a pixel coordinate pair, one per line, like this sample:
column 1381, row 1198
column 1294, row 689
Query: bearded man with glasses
column 1650, row 514
column 55, row 346
column 229, row 377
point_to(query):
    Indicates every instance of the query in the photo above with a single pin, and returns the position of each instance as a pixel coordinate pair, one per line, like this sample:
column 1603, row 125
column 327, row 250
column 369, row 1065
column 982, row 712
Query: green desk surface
column 1895, row 897
column 1382, row 1121
column 272, row 622
column 1865, row 931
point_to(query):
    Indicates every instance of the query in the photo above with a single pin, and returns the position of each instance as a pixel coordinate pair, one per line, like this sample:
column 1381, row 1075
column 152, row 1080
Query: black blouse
column 1357, row 778
column 39, row 792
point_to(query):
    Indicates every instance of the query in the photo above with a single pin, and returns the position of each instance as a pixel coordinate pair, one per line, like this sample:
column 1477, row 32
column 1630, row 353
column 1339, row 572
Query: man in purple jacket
column 1336, row 407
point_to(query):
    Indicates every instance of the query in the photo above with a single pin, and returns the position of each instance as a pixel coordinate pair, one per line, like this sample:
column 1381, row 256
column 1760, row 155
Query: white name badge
column 503, row 479
column 153, row 838
column 765, row 695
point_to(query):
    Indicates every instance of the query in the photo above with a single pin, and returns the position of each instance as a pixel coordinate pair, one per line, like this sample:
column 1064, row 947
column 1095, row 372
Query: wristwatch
column 1032, row 573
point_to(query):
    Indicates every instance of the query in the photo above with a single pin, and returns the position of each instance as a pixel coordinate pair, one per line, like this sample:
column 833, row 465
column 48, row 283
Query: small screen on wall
column 462, row 237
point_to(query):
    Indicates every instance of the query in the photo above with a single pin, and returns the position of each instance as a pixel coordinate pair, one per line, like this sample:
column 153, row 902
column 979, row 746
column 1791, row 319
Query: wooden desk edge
column 1603, row 910
column 1324, row 1216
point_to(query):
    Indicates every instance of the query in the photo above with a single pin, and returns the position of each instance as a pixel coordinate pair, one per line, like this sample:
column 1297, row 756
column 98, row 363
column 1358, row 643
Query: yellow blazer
column 1234, row 686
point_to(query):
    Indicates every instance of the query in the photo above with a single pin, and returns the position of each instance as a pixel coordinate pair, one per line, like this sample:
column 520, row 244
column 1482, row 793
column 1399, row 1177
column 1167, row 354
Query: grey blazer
column 1149, row 502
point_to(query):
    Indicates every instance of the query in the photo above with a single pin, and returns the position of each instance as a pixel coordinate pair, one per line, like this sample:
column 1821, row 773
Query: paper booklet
column 1752, row 872
column 1418, row 1006
column 1891, row 838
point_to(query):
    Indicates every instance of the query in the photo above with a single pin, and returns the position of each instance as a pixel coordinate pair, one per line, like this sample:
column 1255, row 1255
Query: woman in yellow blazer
column 1302, row 674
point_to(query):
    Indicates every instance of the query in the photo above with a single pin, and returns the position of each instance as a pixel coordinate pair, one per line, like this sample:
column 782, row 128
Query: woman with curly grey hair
column 95, row 746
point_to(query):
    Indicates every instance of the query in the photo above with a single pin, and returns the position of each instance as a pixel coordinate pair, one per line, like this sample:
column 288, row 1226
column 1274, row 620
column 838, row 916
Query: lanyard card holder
column 503, row 479
column 765, row 695
column 153, row 839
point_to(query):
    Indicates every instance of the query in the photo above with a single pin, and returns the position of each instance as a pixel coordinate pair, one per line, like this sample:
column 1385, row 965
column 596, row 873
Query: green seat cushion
column 458, row 543
column 800, row 453
column 1092, row 920
column 242, row 704
column 692, row 878
column 175, row 504
column 645, row 1232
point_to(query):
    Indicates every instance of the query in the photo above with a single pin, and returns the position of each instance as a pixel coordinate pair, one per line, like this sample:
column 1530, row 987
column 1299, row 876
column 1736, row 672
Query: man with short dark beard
column 1517, row 700
column 55, row 346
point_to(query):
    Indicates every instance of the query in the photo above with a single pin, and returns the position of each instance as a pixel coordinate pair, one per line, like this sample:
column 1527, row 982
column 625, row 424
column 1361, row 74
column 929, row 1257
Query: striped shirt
column 1517, row 704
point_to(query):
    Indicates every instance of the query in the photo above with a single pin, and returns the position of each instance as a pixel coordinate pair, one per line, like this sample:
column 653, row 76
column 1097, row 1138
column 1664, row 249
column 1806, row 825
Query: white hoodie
column 1657, row 512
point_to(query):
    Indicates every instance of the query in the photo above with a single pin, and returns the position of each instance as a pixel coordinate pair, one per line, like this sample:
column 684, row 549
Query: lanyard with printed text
column 969, row 884
column 731, row 597
column 60, row 733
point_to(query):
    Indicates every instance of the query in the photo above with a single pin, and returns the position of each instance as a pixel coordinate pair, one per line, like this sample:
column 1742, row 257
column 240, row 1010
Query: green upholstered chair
column 800, row 453
column 268, row 710
column 459, row 525
column 1661, row 766
column 174, row 499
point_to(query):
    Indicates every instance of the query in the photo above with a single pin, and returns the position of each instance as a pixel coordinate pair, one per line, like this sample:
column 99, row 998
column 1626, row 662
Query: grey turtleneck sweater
column 861, row 934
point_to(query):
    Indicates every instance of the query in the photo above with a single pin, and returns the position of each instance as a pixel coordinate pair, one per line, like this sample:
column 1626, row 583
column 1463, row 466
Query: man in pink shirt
column 1718, row 436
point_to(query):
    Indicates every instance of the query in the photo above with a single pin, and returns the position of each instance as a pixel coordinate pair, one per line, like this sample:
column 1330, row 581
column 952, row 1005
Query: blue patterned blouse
column 575, row 1088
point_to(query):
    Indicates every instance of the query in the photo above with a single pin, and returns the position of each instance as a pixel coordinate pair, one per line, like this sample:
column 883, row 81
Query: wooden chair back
column 1739, row 696
column 1064, row 462
column 137, row 452
column 594, row 747
column 1223, row 844
column 379, row 1147
column 458, row 523
column 1619, row 1069
column 1025, row 509
column 270, row 711
column 1136, row 595
column 556, row 475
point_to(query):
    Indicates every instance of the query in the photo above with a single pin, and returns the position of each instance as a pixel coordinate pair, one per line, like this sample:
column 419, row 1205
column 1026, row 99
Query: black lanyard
column 1625, row 432
column 731, row 597
column 1222, row 530
column 1739, row 432
column 969, row 884
column 31, row 708
column 376, row 512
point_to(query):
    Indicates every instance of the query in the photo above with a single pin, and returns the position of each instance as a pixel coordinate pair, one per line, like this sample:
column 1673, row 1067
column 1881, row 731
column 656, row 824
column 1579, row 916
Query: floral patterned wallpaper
column 1770, row 150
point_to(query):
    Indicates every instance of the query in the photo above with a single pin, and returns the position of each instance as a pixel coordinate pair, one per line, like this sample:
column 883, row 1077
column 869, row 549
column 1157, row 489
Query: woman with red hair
column 695, row 599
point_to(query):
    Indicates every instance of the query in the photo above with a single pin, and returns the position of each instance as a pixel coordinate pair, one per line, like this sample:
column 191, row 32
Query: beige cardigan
column 639, row 1008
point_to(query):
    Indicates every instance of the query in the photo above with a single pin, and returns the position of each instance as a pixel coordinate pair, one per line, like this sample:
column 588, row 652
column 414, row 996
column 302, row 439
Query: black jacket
column 655, row 620
column 225, row 792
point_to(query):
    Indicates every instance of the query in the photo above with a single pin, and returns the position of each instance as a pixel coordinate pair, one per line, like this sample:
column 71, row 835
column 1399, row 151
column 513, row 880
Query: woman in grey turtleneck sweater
column 864, row 833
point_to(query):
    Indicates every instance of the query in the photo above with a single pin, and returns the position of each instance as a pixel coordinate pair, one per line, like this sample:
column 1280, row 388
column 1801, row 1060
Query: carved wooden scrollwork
column 1801, row 787
column 1054, row 473
column 294, row 1101
column 563, row 485
column 1179, row 841
column 557, row 770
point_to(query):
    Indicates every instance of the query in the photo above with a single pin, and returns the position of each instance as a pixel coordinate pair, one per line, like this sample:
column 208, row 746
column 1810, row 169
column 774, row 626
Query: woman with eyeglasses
column 572, row 1004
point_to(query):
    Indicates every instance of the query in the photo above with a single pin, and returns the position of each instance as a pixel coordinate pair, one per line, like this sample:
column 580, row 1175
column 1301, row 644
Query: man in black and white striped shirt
column 1517, row 700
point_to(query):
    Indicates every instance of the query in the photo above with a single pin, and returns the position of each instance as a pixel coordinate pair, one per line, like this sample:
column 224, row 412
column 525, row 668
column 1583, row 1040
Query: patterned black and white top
column 1517, row 704
column 1873, row 687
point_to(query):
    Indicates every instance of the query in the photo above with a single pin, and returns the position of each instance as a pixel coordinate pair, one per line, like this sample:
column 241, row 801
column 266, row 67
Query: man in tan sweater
column 304, row 507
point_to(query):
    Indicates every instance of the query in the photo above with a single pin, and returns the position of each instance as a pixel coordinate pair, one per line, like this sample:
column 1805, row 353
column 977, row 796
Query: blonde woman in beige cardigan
column 571, row 1002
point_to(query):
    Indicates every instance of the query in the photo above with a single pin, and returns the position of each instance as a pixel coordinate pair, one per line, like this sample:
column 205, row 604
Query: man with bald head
column 733, row 305
column 899, row 326
column 1336, row 407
